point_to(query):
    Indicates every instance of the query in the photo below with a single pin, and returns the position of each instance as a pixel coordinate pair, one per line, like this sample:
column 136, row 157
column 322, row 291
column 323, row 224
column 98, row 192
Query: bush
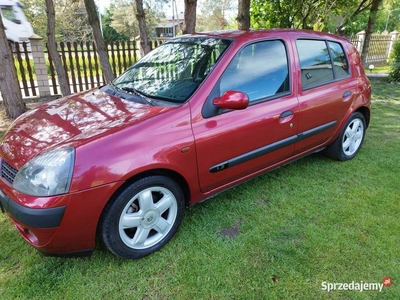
column 394, row 73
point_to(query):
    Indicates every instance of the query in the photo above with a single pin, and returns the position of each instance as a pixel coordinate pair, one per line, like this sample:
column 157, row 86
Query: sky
column 103, row 4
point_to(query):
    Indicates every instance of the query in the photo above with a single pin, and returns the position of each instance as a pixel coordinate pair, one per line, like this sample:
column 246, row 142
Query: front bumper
column 32, row 217
column 63, row 225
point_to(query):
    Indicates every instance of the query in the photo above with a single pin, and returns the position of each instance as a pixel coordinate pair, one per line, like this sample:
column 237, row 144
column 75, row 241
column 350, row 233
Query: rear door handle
column 346, row 94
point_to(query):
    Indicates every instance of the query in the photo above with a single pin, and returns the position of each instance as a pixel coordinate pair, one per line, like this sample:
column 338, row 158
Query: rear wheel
column 143, row 218
column 349, row 142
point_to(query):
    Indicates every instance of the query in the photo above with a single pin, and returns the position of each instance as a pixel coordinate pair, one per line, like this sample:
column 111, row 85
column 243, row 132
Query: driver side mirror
column 232, row 100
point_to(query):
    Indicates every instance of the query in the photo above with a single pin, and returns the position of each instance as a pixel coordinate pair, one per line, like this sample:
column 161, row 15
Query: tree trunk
column 190, row 16
column 243, row 17
column 9, row 85
column 98, row 38
column 362, row 6
column 370, row 27
column 141, row 17
column 52, row 47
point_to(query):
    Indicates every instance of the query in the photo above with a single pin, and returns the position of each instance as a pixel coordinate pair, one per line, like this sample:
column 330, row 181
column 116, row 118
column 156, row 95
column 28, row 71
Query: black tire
column 143, row 218
column 350, row 140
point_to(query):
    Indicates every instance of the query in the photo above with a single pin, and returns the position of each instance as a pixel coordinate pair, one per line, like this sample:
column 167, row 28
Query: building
column 170, row 27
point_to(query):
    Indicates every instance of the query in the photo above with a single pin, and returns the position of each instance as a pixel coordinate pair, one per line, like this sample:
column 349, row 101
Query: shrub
column 394, row 73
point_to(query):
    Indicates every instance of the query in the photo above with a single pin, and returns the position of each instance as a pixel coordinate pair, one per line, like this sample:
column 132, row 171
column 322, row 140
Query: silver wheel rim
column 352, row 137
column 148, row 217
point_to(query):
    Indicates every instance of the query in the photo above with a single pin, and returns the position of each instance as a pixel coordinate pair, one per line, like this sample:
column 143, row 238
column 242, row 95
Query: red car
column 199, row 114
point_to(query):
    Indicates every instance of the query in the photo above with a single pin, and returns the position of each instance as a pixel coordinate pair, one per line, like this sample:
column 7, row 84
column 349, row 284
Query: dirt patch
column 233, row 231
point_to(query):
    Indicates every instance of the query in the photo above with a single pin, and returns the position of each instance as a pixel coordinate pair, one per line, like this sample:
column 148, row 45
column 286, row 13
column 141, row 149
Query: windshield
column 8, row 13
column 174, row 70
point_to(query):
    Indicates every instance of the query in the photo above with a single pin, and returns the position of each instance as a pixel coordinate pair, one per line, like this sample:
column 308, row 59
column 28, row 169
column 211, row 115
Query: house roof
column 169, row 24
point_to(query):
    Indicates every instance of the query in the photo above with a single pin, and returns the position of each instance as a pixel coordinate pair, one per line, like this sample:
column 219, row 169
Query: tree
column 243, row 16
column 374, row 10
column 289, row 13
column 213, row 14
column 141, row 17
column 109, row 32
column 52, row 47
column 9, row 85
column 388, row 18
column 190, row 16
column 350, row 11
column 33, row 10
column 100, row 45
column 122, row 21
column 71, row 20
column 341, row 16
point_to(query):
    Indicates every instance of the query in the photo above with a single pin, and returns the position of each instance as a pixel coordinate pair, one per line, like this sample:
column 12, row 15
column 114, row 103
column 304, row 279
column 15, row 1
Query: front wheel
column 143, row 218
column 349, row 142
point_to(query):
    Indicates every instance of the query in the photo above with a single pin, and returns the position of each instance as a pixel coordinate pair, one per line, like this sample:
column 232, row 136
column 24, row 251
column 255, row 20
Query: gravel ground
column 4, row 120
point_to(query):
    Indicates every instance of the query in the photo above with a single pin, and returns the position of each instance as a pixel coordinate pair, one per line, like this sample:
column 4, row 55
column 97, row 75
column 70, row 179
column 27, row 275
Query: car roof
column 253, row 34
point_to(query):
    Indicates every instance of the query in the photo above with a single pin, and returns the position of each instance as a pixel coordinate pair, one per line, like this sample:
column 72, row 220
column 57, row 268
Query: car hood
column 70, row 120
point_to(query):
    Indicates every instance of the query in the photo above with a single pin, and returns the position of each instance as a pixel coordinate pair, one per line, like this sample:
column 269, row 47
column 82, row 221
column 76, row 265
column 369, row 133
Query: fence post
column 360, row 41
column 40, row 65
column 394, row 36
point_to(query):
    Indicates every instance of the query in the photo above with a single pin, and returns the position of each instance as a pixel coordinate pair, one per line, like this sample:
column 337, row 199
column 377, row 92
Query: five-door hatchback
column 199, row 114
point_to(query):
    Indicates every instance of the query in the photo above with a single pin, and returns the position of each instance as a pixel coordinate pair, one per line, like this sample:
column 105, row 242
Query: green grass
column 312, row 221
column 379, row 69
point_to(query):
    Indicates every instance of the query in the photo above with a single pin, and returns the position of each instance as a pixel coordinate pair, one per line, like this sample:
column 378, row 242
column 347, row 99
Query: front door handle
column 286, row 116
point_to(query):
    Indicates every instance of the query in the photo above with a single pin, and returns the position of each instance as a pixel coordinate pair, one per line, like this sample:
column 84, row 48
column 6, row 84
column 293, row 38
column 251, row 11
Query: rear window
column 321, row 62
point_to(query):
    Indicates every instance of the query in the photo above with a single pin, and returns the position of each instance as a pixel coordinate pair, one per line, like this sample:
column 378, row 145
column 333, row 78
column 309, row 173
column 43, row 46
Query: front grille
column 8, row 172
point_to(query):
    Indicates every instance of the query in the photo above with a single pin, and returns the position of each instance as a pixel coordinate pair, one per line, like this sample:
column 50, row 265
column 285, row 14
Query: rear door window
column 321, row 62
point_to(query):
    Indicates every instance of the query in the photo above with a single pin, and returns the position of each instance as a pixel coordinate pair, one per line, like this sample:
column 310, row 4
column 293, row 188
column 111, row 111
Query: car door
column 234, row 144
column 326, row 91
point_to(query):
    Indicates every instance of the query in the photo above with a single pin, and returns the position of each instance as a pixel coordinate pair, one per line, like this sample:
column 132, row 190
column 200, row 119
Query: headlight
column 48, row 174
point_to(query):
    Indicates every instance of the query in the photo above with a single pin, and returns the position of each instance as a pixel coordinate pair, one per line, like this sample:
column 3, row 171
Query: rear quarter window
column 321, row 62
column 340, row 63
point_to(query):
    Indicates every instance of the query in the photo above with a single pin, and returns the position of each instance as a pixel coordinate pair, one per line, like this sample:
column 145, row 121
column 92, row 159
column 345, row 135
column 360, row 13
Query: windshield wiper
column 137, row 93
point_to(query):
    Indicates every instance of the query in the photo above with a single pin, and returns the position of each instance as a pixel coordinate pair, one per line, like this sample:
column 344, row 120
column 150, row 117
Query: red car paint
column 116, row 140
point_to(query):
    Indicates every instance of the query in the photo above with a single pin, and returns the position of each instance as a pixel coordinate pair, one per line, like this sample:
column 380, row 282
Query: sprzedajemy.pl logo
column 356, row 286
